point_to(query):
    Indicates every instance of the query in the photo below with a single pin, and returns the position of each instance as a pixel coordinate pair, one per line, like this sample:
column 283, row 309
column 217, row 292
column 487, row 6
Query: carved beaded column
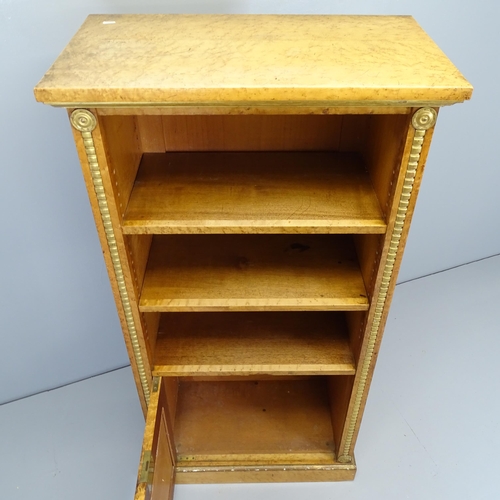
column 422, row 120
column 85, row 122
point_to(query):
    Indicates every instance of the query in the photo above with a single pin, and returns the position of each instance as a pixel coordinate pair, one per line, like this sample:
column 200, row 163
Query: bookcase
column 252, row 180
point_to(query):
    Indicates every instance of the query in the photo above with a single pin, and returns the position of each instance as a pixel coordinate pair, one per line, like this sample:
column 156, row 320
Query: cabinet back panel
column 251, row 133
column 354, row 132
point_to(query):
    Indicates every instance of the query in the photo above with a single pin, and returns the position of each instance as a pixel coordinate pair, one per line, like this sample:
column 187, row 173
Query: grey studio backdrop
column 57, row 316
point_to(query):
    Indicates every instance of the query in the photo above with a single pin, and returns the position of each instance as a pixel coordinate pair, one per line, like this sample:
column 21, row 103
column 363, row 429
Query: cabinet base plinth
column 265, row 474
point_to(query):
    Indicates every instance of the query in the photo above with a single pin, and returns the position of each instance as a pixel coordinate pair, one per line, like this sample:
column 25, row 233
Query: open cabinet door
column 157, row 467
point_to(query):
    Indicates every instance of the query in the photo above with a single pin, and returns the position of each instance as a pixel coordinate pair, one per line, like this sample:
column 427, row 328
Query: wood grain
column 252, row 273
column 252, row 343
column 252, row 132
column 159, row 59
column 253, row 192
column 254, row 421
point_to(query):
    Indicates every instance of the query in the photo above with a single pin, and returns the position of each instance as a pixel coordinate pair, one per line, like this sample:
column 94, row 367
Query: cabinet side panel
column 150, row 130
column 368, row 250
column 138, row 248
column 107, row 225
column 123, row 152
column 340, row 390
column 356, row 321
column 94, row 160
column 382, row 153
column 252, row 132
column 403, row 198
column 121, row 142
column 152, row 324
column 119, row 165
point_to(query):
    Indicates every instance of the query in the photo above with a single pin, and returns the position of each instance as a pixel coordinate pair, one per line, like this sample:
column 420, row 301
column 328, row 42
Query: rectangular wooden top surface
column 254, row 59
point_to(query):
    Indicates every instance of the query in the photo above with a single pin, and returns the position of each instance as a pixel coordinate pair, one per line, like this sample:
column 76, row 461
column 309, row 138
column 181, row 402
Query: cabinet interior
column 246, row 421
column 254, row 241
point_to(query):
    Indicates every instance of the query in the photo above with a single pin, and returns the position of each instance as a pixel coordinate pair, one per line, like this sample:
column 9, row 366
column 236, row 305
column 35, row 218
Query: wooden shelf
column 208, row 344
column 253, row 192
column 252, row 273
column 286, row 421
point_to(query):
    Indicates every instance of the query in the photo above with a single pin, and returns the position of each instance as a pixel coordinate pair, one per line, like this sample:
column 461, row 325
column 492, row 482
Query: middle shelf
column 252, row 273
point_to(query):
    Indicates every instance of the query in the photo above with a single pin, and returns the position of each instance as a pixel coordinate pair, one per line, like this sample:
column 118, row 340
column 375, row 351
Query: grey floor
column 431, row 427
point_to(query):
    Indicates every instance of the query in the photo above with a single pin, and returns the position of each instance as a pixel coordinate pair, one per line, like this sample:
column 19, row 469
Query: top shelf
column 186, row 60
column 252, row 192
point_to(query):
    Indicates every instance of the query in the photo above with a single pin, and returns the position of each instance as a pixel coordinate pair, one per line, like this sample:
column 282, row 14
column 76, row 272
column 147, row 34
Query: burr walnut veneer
column 252, row 180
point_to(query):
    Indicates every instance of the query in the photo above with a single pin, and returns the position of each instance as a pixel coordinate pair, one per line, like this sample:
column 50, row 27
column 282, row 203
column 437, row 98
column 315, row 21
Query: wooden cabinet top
column 119, row 60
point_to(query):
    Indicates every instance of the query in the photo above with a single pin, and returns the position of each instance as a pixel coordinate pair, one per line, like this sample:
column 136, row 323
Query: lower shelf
column 266, row 343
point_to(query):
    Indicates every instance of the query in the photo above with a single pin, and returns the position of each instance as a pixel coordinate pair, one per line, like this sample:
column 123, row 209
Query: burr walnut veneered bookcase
column 252, row 180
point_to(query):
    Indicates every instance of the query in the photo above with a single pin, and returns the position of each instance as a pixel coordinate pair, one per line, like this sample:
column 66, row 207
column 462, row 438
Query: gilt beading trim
column 422, row 120
column 85, row 122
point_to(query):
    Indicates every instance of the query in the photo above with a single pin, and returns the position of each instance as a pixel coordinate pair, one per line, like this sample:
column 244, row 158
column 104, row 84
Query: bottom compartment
column 254, row 422
column 272, row 429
